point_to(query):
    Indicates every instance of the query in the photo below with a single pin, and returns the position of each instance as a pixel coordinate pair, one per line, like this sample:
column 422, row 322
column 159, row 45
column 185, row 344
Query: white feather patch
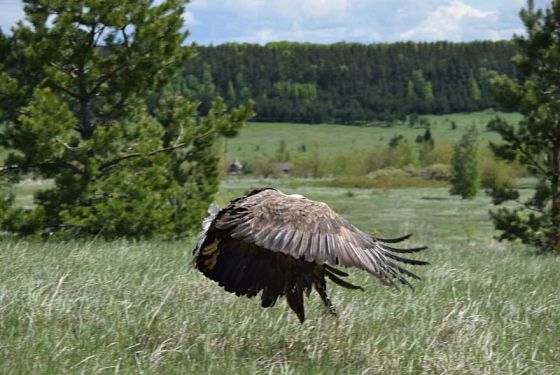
column 212, row 213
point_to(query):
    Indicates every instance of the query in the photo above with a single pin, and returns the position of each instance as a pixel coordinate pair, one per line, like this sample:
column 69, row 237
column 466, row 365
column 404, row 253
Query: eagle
column 286, row 245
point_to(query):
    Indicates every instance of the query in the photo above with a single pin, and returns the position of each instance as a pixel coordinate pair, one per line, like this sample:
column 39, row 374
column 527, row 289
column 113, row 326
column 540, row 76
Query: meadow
column 261, row 138
column 92, row 307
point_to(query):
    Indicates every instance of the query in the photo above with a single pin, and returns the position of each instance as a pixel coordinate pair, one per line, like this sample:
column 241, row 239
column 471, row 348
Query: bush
column 308, row 165
column 440, row 154
column 377, row 158
column 347, row 164
column 440, row 172
column 264, row 166
column 400, row 179
column 497, row 174
column 391, row 172
column 404, row 153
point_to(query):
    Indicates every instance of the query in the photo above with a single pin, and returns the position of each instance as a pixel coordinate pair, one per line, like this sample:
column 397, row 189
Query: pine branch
column 529, row 206
column 531, row 161
column 7, row 168
column 106, row 78
column 66, row 145
column 116, row 161
column 95, row 41
column 67, row 91
column 113, row 112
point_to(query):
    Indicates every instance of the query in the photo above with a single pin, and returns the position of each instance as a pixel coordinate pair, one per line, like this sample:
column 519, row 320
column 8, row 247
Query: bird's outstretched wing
column 310, row 230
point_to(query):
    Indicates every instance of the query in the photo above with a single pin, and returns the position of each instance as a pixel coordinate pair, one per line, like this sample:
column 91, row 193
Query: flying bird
column 286, row 245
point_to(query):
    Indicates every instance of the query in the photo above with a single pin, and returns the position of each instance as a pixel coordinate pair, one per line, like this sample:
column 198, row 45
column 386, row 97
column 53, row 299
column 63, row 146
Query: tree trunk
column 86, row 127
column 554, row 234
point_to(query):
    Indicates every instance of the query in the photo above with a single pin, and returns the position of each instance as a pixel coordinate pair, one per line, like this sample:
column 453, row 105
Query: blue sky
column 329, row 21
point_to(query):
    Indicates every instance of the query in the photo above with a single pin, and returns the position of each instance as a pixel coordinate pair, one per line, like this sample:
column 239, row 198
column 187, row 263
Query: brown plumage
column 285, row 245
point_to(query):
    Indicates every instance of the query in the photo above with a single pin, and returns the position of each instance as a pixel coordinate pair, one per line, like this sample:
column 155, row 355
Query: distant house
column 235, row 168
column 286, row 167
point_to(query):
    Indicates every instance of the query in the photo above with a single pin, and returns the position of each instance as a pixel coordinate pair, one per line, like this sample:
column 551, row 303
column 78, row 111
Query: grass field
column 259, row 138
column 135, row 307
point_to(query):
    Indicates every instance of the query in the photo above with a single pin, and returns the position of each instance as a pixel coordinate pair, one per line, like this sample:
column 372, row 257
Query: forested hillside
column 348, row 82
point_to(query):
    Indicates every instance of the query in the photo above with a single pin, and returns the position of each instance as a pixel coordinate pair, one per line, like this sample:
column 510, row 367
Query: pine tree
column 475, row 89
column 207, row 90
column 231, row 96
column 465, row 179
column 73, row 94
column 426, row 145
column 535, row 141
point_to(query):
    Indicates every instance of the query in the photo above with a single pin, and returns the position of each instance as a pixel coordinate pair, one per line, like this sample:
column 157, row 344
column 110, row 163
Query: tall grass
column 136, row 307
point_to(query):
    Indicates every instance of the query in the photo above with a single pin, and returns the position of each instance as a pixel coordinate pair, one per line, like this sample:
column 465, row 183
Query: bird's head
column 297, row 196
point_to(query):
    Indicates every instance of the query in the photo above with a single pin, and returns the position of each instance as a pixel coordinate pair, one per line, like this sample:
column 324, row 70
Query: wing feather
column 303, row 248
column 242, row 231
column 396, row 239
column 282, row 238
column 405, row 251
column 344, row 254
column 259, row 235
column 314, row 250
column 342, row 282
column 268, row 240
column 327, row 257
column 330, row 249
column 404, row 260
column 295, row 242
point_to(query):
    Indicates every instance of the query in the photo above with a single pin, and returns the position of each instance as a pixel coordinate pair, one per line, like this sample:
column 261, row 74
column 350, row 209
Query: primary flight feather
column 285, row 245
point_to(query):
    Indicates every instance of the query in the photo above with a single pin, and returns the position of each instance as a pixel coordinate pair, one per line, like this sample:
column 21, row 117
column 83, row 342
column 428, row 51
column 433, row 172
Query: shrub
column 350, row 163
column 264, row 166
column 398, row 180
column 442, row 153
column 497, row 174
column 440, row 172
column 391, row 172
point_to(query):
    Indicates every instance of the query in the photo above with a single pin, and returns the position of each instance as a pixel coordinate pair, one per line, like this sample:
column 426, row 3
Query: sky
column 329, row 21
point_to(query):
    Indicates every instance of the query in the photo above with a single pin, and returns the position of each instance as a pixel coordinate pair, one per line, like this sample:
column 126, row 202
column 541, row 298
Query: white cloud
column 292, row 9
column 367, row 33
column 198, row 4
column 298, row 34
column 248, row 4
column 450, row 22
column 324, row 8
column 231, row 5
column 264, row 36
column 189, row 18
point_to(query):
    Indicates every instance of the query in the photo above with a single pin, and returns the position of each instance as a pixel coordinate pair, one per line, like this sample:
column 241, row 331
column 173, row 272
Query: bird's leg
column 321, row 288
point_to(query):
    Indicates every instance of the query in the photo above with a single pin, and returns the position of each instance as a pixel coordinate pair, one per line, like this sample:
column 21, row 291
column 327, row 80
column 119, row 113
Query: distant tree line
column 348, row 82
